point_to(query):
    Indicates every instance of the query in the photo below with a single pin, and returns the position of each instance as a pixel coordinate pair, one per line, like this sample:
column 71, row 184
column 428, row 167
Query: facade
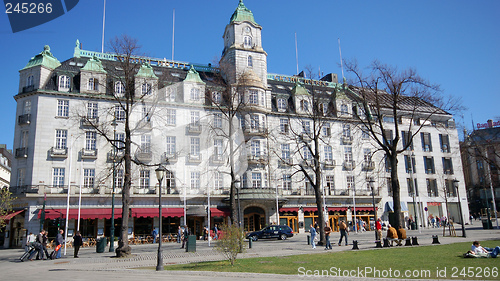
column 180, row 122
column 481, row 163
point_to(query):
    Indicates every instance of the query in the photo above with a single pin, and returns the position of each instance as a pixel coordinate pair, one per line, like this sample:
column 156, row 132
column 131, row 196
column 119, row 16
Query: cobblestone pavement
column 103, row 266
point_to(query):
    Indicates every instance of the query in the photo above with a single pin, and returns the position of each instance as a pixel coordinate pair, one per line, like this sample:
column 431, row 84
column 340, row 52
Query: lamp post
column 237, row 183
column 455, row 182
column 112, row 228
column 414, row 191
column 160, row 173
column 371, row 181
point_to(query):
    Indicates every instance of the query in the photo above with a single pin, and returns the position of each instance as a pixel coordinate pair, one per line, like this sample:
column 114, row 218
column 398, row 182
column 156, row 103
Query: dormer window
column 304, row 105
column 93, row 84
column 248, row 42
column 30, row 81
column 344, row 109
column 195, row 94
column 119, row 88
column 146, row 89
column 64, row 82
column 216, row 97
column 282, row 104
column 250, row 62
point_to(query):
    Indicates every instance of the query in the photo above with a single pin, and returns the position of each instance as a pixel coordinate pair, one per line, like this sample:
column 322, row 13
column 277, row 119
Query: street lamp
column 237, row 183
column 371, row 181
column 112, row 228
column 455, row 182
column 160, row 174
column 414, row 191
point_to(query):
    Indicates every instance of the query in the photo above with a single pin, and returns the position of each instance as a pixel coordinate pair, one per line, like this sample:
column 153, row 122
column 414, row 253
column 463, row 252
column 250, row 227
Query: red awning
column 337, row 209
column 366, row 209
column 88, row 213
column 309, row 209
column 153, row 212
column 220, row 212
column 7, row 217
column 290, row 209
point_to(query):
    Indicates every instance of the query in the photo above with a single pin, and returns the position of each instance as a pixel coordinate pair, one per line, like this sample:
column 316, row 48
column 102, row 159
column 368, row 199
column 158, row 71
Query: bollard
column 386, row 243
column 414, row 241
column 435, row 239
column 355, row 245
column 308, row 239
column 408, row 241
column 250, row 242
column 378, row 244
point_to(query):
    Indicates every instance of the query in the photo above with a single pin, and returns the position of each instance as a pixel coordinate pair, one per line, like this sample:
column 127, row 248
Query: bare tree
column 5, row 204
column 387, row 95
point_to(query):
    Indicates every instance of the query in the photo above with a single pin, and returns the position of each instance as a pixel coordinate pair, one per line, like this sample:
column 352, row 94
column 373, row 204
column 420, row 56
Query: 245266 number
column 28, row 8
column 474, row 272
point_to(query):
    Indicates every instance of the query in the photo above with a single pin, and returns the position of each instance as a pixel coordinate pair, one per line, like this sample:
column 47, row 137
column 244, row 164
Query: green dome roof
column 242, row 13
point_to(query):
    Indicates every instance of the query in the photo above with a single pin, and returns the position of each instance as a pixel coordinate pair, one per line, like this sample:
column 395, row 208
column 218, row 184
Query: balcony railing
column 349, row 165
column 115, row 156
column 284, row 163
column 194, row 158
column 28, row 89
column 22, row 152
column 170, row 157
column 217, row 159
column 256, row 159
column 260, row 130
column 89, row 122
column 346, row 139
column 24, row 119
column 88, row 153
column 194, row 128
column 58, row 152
column 144, row 156
column 329, row 164
column 368, row 166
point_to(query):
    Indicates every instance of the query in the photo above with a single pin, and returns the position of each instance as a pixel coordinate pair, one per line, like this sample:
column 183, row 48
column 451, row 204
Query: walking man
column 328, row 230
column 77, row 242
column 344, row 231
column 312, row 230
column 59, row 241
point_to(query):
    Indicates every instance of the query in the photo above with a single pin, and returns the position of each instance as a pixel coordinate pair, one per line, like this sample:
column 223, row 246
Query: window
column 304, row 105
column 389, row 187
column 24, row 138
column 253, row 97
column 388, row 137
column 120, row 140
column 92, row 110
column 328, row 153
column 62, row 108
column 194, row 149
column 254, row 122
column 412, row 188
column 27, row 107
column 447, row 166
column 444, row 140
column 388, row 119
column 330, row 185
column 90, row 140
column 58, row 177
column 282, row 104
column 426, row 142
column 21, row 174
column 284, row 126
column 119, row 88
column 285, row 151
column 119, row 178
column 195, row 180
column 287, row 182
column 306, row 152
column 429, row 165
column 171, row 94
column 119, row 113
column 416, row 121
column 195, row 94
column 218, row 120
column 218, row 181
column 171, row 120
column 365, row 134
column 323, row 108
column 195, row 118
column 146, row 89
column 88, row 178
column 64, row 82
column 216, row 97
column 406, row 137
column 348, row 154
column 30, row 81
column 256, row 180
column 350, row 182
column 255, row 148
column 344, row 109
column 146, row 113
column 169, row 180
column 218, row 148
column 93, row 84
column 432, row 190
column 306, row 127
column 451, row 191
column 146, row 143
column 247, row 42
column 410, row 164
column 61, row 139
column 326, row 130
column 144, row 178
column 346, row 130
column 170, row 149
column 249, row 61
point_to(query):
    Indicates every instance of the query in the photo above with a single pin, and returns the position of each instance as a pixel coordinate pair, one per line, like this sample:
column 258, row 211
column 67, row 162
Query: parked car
column 274, row 231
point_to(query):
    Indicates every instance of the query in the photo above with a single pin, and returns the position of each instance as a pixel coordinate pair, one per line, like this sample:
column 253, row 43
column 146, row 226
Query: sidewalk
column 103, row 266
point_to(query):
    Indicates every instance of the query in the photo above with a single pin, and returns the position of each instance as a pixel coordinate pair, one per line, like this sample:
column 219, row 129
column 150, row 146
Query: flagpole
column 103, row 22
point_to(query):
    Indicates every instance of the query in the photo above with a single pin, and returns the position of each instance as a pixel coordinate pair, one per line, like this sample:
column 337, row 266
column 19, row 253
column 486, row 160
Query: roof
column 193, row 76
column 489, row 135
column 242, row 13
column 146, row 71
column 94, row 64
column 44, row 58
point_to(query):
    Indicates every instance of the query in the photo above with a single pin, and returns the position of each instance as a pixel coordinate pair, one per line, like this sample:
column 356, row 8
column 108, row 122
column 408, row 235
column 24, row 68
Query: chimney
column 490, row 123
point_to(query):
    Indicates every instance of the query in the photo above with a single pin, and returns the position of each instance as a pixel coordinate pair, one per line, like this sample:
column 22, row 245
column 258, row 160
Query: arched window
column 248, row 42
column 64, row 82
column 146, row 89
column 119, row 88
column 93, row 84
column 30, row 80
column 250, row 61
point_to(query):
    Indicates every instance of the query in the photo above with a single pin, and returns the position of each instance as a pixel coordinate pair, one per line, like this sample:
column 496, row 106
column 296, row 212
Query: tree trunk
column 319, row 203
column 396, row 198
column 124, row 249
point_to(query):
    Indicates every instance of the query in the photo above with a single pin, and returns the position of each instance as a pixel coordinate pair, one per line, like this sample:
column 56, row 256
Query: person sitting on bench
column 401, row 235
column 392, row 234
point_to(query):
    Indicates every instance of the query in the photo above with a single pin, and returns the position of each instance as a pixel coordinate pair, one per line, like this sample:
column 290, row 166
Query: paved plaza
column 103, row 266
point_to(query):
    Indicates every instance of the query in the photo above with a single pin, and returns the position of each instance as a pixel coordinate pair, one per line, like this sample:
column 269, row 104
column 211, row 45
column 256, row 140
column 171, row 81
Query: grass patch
column 421, row 262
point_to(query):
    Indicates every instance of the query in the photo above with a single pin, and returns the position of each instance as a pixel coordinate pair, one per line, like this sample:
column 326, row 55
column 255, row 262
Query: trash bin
column 487, row 224
column 308, row 239
column 101, row 244
column 191, row 243
column 413, row 226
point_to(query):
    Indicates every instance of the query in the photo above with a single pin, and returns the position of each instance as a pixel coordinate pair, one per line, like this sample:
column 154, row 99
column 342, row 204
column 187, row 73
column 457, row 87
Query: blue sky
column 453, row 43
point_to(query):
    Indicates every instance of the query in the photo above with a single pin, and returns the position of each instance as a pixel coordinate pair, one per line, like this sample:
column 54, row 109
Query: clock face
column 247, row 29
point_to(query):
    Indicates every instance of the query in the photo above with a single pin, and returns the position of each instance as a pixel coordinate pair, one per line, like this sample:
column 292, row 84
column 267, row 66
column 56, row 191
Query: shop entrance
column 195, row 225
column 254, row 218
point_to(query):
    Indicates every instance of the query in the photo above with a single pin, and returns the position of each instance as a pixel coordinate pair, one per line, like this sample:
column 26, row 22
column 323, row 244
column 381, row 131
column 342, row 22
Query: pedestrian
column 216, row 232
column 312, row 230
column 38, row 244
column 185, row 237
column 328, row 230
column 471, row 217
column 77, row 243
column 344, row 231
column 378, row 228
column 154, row 235
column 29, row 241
column 179, row 234
column 205, row 233
column 59, row 241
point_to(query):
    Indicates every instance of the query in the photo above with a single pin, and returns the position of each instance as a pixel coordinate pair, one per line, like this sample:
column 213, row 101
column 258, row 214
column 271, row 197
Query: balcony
column 307, row 163
column 144, row 156
column 115, row 156
column 445, row 148
column 217, row 159
column 24, row 119
column 329, row 164
column 305, row 136
column 194, row 128
column 285, row 163
column 349, row 165
column 257, row 159
column 22, row 152
column 145, row 123
column 59, row 152
column 194, row 158
column 346, row 140
column 427, row 148
column 88, row 153
column 89, row 122
column 256, row 131
column 28, row 89
column 169, row 157
column 368, row 166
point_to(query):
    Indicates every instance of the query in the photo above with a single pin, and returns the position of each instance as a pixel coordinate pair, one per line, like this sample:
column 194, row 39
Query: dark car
column 274, row 231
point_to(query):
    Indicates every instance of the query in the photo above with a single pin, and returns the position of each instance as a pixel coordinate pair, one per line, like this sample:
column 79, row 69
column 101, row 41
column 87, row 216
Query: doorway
column 254, row 218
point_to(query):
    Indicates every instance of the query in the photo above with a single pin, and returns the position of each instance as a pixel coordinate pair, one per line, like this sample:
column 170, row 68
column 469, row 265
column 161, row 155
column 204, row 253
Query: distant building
column 5, row 170
column 56, row 146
